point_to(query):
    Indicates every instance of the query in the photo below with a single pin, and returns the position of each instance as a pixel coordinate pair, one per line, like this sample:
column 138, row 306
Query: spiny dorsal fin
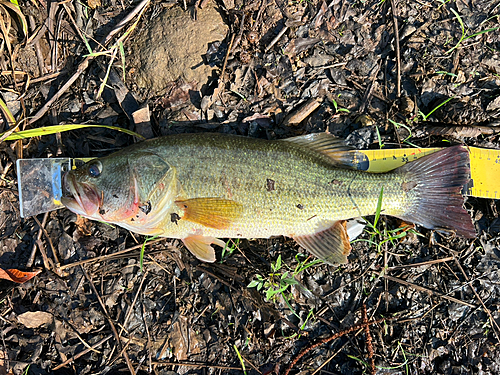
column 217, row 213
column 321, row 142
column 335, row 148
column 330, row 245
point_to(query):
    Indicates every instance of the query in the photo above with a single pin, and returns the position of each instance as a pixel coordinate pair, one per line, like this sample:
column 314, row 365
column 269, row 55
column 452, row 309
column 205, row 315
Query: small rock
column 74, row 106
column 173, row 47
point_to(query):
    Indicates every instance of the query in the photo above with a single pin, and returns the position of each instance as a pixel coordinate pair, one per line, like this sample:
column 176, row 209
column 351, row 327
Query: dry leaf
column 84, row 226
column 35, row 319
column 94, row 4
column 458, row 131
column 17, row 276
column 494, row 104
column 4, row 359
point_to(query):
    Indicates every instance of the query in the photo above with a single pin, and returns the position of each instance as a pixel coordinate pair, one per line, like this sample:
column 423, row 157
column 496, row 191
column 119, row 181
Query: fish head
column 102, row 189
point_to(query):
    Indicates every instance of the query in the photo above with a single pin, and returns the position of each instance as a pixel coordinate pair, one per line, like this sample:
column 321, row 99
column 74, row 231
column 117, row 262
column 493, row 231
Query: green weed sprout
column 378, row 237
column 464, row 36
column 278, row 281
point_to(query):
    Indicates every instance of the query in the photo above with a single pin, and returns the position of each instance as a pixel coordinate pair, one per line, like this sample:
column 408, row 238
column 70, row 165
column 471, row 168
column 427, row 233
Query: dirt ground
column 378, row 73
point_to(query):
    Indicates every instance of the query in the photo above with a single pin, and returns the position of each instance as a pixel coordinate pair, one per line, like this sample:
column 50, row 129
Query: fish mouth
column 81, row 198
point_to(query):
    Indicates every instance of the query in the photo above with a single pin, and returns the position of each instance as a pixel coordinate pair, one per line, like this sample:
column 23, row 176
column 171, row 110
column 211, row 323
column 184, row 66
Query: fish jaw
column 81, row 198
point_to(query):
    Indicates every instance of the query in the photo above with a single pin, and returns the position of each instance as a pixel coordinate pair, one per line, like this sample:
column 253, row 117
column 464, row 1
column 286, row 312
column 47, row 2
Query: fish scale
column 276, row 210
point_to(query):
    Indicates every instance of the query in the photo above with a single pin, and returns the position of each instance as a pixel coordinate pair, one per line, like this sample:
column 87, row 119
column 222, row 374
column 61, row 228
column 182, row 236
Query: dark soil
column 285, row 68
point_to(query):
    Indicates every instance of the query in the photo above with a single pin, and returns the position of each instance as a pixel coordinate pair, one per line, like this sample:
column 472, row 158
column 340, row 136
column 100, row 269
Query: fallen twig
column 494, row 324
column 278, row 37
column 85, row 63
column 398, row 54
column 429, row 291
column 427, row 263
column 112, row 325
column 195, row 364
column 369, row 345
column 83, row 352
column 31, row 259
column 108, row 256
column 307, row 349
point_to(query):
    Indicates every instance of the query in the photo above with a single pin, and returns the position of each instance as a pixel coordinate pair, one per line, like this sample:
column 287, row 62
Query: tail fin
column 437, row 181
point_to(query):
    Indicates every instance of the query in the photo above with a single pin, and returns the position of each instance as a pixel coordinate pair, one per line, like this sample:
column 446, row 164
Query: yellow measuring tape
column 484, row 166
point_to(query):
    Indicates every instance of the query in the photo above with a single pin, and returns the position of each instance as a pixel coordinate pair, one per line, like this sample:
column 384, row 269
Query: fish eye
column 95, row 169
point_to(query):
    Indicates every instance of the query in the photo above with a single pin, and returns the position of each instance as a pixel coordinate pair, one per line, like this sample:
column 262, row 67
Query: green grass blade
column 14, row 6
column 380, row 144
column 47, row 130
column 379, row 207
column 241, row 359
column 439, row 106
column 143, row 249
column 141, row 256
column 122, row 55
column 482, row 32
column 7, row 113
column 462, row 26
column 87, row 44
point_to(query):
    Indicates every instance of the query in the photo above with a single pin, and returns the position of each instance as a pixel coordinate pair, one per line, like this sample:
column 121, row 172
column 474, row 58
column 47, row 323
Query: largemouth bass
column 202, row 187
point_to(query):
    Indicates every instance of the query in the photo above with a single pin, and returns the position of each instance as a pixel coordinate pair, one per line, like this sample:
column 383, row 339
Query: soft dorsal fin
column 335, row 148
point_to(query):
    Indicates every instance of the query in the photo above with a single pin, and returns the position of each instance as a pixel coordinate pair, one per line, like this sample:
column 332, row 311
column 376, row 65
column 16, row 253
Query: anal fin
column 200, row 247
column 330, row 245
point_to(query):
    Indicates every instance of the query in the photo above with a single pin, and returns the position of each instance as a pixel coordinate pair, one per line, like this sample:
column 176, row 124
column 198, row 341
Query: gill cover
column 157, row 188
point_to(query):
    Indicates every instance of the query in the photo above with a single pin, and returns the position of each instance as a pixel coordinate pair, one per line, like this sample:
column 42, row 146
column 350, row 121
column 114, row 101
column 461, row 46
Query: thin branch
column 76, row 356
column 494, row 324
column 428, row 291
column 307, row 349
column 108, row 256
column 398, row 53
column 110, row 321
column 85, row 63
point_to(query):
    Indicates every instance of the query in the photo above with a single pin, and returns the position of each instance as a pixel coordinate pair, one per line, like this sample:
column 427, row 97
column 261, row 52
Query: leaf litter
column 281, row 69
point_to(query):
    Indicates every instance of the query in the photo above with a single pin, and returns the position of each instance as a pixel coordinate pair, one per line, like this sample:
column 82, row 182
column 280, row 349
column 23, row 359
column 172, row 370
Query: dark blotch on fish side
column 269, row 184
column 336, row 182
column 146, row 208
column 300, row 207
column 115, row 196
column 174, row 218
column 102, row 211
column 407, row 186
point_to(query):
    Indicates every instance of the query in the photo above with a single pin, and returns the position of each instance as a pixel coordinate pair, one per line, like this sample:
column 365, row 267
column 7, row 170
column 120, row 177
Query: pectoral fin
column 330, row 245
column 214, row 213
column 200, row 247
